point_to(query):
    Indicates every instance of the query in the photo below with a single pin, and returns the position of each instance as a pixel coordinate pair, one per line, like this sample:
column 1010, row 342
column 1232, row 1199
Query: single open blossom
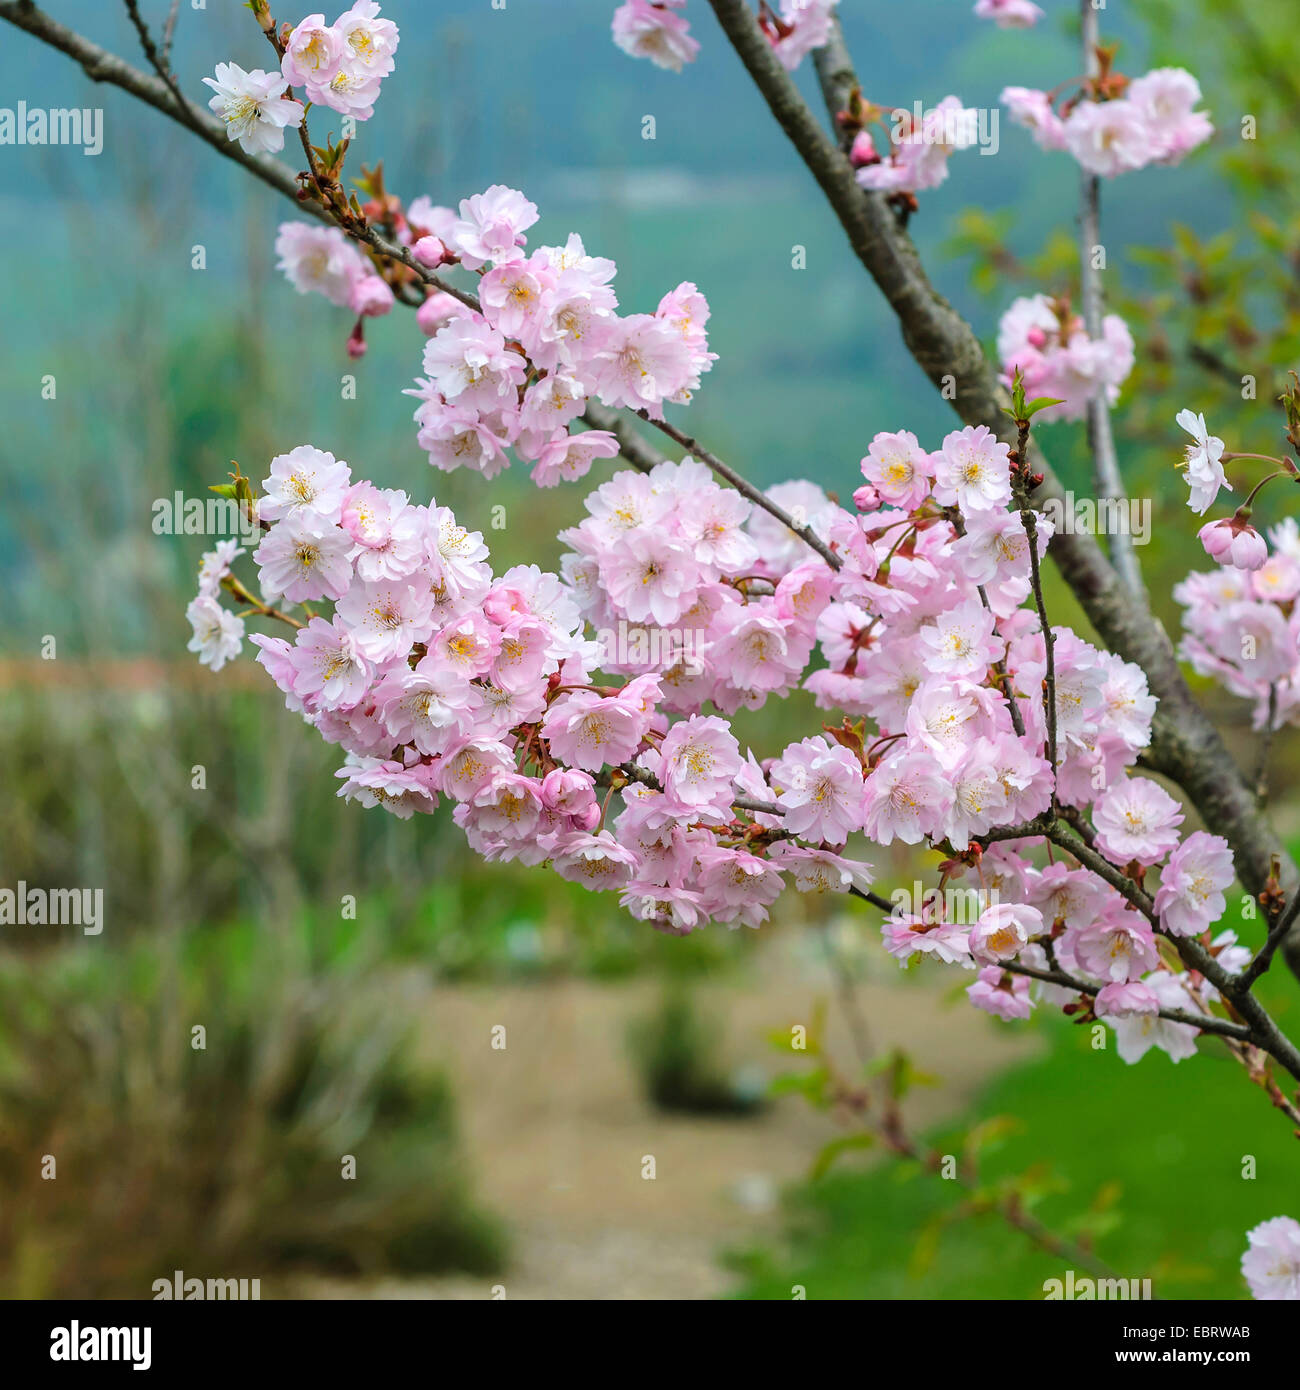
column 961, row 641
column 1001, row 993
column 1271, row 1264
column 595, row 861
column 1137, row 1033
column 1107, row 137
column 491, row 226
column 368, row 42
column 1033, row 109
column 907, row 935
column 304, row 562
column 899, row 469
column 797, row 28
column 1190, row 897
column 215, row 566
column 1201, row 463
column 821, row 788
column 387, row 616
column 587, row 730
column 1136, row 819
column 972, row 470
column 1126, row 999
column 253, row 107
column 327, row 664
column 1166, row 98
column 645, row 29
column 218, row 633
column 400, row 790
column 1003, row 930
column 699, row 758
column 313, row 52
column 904, row 798
column 306, row 484
column 320, row 260
column 1117, row 947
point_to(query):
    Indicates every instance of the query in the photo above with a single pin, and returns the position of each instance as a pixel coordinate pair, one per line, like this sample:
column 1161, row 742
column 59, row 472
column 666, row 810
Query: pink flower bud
column 1036, row 337
column 867, row 499
column 430, row 251
column 1233, row 543
column 357, row 340
column 863, row 150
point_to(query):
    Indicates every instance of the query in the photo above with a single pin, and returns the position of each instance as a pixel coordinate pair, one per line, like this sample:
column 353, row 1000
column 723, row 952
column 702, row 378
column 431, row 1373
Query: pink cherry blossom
column 253, row 107
column 1009, row 14
column 1190, row 897
column 1136, row 819
column 643, row 29
column 1271, row 1264
column 820, row 785
column 1001, row 993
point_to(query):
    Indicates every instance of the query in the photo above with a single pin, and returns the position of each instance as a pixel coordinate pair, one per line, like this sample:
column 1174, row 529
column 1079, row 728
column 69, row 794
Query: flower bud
column 1234, row 543
column 430, row 251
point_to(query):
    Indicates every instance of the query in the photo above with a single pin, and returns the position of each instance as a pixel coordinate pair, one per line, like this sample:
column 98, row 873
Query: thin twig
column 169, row 31
column 1101, row 438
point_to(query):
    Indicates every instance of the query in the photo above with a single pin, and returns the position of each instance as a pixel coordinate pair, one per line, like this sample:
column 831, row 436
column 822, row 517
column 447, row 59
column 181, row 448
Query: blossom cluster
column 439, row 679
column 339, row 65
column 1241, row 627
column 1049, row 346
column 548, row 337
column 1154, row 122
column 582, row 720
column 656, row 30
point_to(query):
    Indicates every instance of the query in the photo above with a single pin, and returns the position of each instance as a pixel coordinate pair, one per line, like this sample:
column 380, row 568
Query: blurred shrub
column 111, row 803
column 224, row 1161
column 677, row 1055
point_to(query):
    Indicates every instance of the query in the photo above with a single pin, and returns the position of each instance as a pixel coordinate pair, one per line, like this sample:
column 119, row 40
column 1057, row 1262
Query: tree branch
column 1185, row 746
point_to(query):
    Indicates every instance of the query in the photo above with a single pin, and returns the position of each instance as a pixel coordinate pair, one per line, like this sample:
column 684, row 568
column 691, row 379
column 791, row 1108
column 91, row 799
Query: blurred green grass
column 1150, row 1157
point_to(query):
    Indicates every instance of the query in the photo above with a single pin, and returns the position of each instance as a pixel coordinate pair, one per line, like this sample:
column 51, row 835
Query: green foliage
column 1146, row 1162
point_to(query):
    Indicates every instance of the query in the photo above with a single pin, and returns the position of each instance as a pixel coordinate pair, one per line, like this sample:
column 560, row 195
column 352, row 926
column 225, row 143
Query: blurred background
column 347, row 971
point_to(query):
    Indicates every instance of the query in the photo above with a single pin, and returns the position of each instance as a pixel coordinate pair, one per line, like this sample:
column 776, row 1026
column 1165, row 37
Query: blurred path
column 557, row 1128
